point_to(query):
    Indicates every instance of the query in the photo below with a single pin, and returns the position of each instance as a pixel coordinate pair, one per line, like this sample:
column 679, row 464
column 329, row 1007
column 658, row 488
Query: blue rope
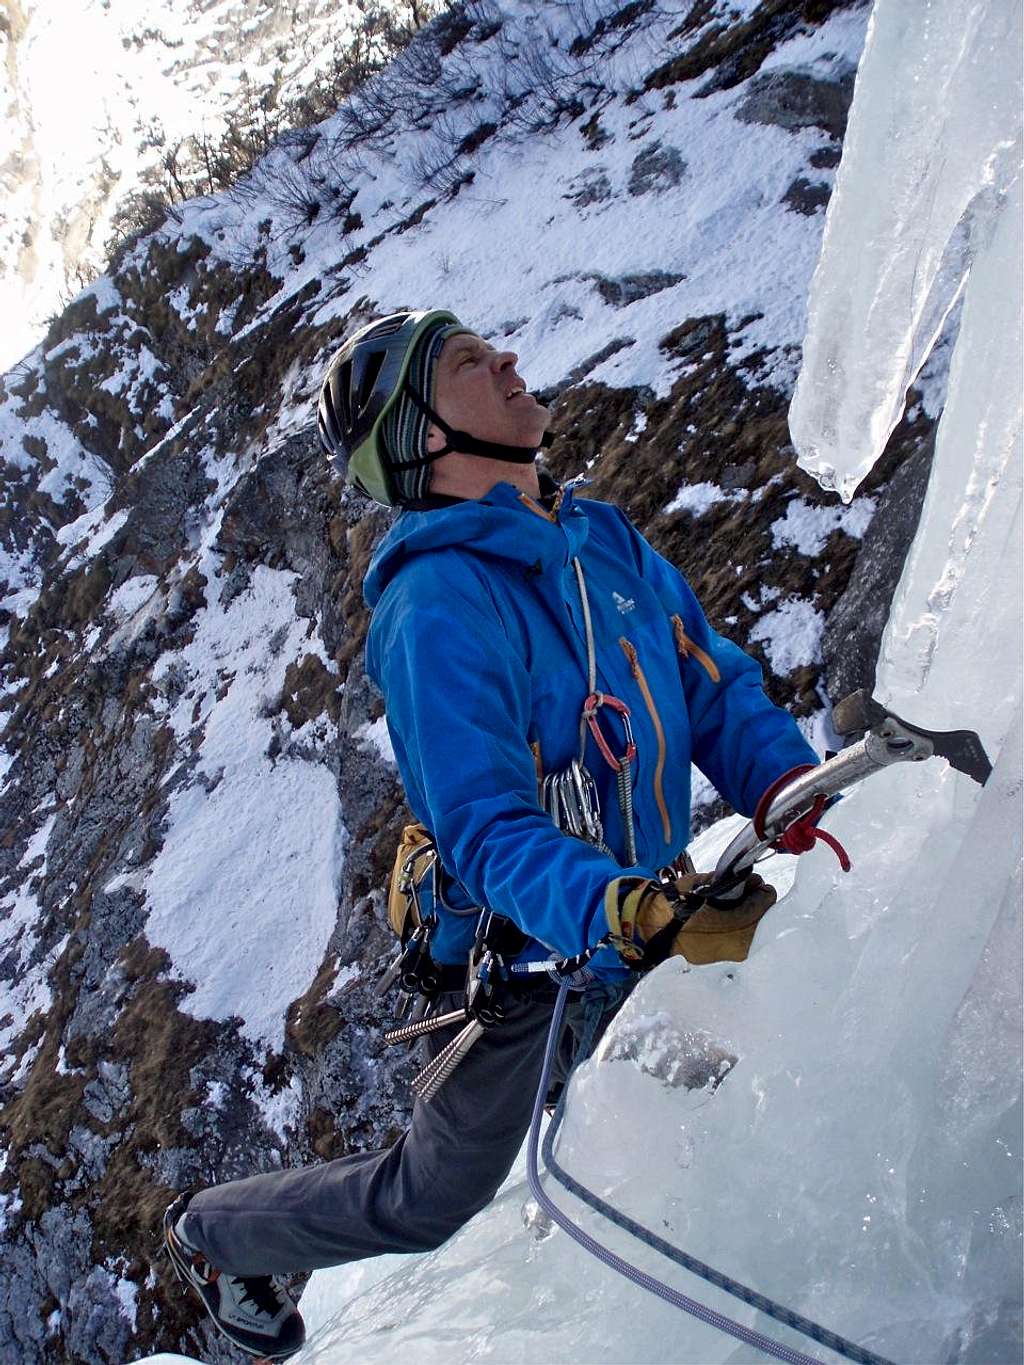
column 698, row 1310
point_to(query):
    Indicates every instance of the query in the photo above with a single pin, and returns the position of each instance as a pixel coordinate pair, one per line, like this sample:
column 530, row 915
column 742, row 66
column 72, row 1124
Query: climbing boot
column 254, row 1312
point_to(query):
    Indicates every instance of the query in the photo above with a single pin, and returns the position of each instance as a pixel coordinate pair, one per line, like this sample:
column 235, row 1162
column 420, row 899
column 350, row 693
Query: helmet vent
column 389, row 326
column 374, row 365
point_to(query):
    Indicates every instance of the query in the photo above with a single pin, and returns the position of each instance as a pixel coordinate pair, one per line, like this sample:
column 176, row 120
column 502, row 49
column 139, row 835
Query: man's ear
column 436, row 438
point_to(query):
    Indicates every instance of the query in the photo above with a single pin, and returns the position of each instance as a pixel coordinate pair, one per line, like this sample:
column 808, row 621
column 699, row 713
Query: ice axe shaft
column 889, row 740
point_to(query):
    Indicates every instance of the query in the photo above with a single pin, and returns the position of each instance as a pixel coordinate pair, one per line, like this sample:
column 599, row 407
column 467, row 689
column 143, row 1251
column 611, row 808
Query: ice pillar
column 927, row 209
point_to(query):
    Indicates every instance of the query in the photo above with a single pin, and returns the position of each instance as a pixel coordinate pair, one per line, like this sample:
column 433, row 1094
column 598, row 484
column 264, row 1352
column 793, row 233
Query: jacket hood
column 504, row 525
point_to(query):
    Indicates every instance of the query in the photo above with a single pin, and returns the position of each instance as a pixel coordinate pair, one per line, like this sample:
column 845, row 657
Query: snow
column 144, row 81
column 133, row 593
column 791, row 635
column 375, row 735
column 352, row 972
column 20, row 917
column 696, row 498
column 127, row 1292
column 807, row 528
column 244, row 895
column 169, row 1358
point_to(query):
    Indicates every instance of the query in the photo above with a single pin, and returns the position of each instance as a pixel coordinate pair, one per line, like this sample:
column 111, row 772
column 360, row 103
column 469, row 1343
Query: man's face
column 478, row 390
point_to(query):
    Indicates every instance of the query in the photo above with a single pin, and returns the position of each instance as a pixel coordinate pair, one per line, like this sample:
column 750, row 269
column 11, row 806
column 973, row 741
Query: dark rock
column 730, row 53
column 738, row 475
column 826, row 158
column 628, row 289
column 656, row 168
column 807, row 198
column 857, row 620
column 795, row 99
column 591, row 186
column 581, row 370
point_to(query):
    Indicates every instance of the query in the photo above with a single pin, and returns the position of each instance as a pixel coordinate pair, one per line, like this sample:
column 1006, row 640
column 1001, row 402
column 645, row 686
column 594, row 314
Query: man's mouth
column 515, row 391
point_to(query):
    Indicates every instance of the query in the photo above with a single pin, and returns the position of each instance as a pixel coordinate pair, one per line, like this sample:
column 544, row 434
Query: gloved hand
column 641, row 917
column 722, row 930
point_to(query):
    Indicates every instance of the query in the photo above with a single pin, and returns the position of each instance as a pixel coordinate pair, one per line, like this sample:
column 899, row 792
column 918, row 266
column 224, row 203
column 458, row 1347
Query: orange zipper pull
column 686, row 647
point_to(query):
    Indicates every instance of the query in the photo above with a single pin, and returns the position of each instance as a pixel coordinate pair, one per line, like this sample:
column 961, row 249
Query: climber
column 548, row 679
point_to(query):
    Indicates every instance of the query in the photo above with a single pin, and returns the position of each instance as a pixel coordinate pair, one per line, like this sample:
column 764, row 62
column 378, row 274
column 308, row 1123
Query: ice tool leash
column 889, row 740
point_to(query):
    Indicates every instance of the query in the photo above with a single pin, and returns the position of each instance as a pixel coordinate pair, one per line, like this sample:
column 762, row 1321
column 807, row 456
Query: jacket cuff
column 622, row 900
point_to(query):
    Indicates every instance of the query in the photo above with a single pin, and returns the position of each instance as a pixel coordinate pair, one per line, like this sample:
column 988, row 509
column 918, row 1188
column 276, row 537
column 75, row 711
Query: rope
column 803, row 833
column 588, row 627
column 624, row 782
column 698, row 1310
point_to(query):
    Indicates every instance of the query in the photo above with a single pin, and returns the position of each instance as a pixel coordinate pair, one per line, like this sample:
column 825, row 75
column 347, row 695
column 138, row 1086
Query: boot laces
column 263, row 1291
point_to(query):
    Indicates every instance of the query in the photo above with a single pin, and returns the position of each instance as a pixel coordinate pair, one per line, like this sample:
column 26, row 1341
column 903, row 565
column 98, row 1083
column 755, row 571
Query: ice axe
column 888, row 739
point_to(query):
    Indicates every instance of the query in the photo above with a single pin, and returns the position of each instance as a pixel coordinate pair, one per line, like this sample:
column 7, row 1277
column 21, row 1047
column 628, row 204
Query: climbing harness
column 489, row 986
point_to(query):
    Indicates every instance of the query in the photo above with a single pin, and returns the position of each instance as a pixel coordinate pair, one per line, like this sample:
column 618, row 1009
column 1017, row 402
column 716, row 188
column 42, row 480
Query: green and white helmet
column 361, row 390
column 376, row 409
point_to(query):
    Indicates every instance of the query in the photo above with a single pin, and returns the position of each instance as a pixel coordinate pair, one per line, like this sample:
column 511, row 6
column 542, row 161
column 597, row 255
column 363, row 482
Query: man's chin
column 540, row 424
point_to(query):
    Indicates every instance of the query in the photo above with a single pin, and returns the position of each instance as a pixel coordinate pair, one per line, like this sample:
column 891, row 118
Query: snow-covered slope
column 145, row 82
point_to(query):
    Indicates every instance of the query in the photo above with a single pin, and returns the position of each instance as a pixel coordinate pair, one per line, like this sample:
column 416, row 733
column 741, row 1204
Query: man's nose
column 503, row 359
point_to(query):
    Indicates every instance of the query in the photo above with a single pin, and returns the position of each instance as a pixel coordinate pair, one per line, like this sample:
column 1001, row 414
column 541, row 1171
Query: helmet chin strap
column 466, row 444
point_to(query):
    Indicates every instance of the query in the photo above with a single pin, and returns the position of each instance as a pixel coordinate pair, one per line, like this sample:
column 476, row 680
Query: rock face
column 197, row 813
column 856, row 622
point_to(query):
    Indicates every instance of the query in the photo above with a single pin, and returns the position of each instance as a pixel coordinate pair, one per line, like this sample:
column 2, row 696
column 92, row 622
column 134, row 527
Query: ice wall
column 928, row 209
column 930, row 155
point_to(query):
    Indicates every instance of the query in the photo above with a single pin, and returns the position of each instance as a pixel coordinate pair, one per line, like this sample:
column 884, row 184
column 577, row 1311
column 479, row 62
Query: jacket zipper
column 687, row 647
column 629, row 649
column 527, row 501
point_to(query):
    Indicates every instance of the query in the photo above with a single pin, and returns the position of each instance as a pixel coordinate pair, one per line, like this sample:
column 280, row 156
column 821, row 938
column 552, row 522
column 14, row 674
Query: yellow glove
column 717, row 935
column 637, row 911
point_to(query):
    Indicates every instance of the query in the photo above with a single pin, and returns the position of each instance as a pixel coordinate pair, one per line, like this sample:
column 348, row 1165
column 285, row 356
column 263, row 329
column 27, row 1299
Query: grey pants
column 413, row 1196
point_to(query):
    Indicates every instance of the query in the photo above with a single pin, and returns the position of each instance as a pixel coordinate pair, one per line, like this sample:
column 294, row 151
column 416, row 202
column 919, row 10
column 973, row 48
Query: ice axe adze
column 888, row 739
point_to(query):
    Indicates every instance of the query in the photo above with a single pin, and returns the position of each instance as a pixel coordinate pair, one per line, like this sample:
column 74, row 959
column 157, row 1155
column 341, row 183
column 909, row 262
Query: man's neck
column 471, row 476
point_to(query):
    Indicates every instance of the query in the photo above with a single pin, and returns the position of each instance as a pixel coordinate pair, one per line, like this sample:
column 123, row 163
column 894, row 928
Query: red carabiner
column 590, row 709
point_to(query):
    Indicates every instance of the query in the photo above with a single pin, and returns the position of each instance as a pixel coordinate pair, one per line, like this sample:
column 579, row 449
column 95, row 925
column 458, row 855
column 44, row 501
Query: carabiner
column 590, row 709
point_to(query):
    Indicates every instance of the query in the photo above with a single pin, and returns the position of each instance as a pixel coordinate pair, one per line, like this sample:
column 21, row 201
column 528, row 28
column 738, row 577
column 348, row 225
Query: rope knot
column 803, row 833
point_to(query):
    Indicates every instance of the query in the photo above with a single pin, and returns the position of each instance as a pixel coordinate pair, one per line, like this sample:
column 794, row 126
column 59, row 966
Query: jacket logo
column 624, row 604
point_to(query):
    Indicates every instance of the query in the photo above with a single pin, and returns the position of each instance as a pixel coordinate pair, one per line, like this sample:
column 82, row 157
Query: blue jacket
column 478, row 644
